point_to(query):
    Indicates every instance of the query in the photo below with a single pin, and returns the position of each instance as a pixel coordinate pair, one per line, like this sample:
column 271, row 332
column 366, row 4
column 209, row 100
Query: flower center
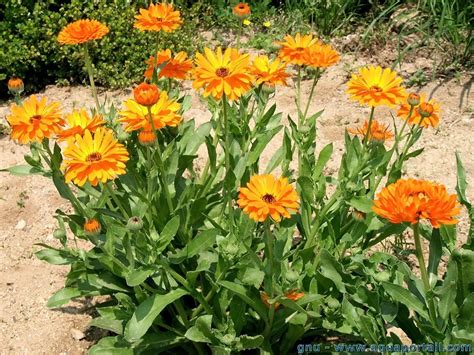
column 268, row 198
column 222, row 72
column 94, row 157
column 375, row 88
column 299, row 49
column 35, row 119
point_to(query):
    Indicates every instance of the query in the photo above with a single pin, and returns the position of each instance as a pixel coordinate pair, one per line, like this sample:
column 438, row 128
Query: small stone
column 77, row 334
column 21, row 224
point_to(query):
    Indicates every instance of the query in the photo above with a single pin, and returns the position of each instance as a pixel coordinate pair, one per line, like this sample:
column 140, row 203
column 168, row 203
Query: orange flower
column 94, row 158
column 295, row 50
column 375, row 86
column 159, row 17
column 164, row 113
column 270, row 73
column 78, row 121
column 15, row 85
column 378, row 131
column 241, row 9
column 147, row 138
column 220, row 73
column 82, row 31
column 34, row 120
column 321, row 56
column 410, row 200
column 92, row 227
column 177, row 67
column 413, row 99
column 426, row 113
column 266, row 196
column 264, row 297
column 146, row 94
column 294, row 295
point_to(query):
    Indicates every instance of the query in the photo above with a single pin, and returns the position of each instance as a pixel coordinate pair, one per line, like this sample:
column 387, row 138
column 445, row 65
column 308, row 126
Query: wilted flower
column 378, row 131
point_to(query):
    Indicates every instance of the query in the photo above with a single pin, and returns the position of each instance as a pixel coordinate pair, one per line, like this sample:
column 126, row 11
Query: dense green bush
column 28, row 31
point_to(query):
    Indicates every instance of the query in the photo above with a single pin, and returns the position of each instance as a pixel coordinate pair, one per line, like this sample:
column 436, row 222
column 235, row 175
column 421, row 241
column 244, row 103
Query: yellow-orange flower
column 34, row 120
column 82, row 31
column 267, row 196
column 94, row 158
column 378, row 131
column 321, row 55
column 147, row 137
column 264, row 297
column 92, row 227
column 410, row 200
column 177, row 67
column 241, row 9
column 429, row 115
column 16, row 85
column 375, row 86
column 78, row 121
column 164, row 113
column 294, row 295
column 270, row 73
column 295, row 50
column 158, row 17
column 219, row 73
column 146, row 94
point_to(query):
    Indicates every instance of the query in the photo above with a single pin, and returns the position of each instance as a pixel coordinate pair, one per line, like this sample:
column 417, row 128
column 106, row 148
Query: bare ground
column 27, row 204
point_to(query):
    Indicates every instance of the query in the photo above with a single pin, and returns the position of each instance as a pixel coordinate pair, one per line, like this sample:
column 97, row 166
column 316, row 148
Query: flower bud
column 135, row 223
column 92, row 227
column 413, row 99
column 146, row 94
column 268, row 89
column 122, row 136
column 292, row 276
column 425, row 109
column 59, row 234
column 16, row 86
column 358, row 215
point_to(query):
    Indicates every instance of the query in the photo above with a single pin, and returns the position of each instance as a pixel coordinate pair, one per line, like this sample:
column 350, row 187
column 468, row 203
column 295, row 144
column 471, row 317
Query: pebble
column 77, row 334
column 21, row 224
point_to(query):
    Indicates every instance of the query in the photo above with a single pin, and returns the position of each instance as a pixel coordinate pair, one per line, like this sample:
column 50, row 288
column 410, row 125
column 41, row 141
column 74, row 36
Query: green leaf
column 201, row 332
column 331, row 269
column 23, row 170
column 55, row 256
column 138, row 276
column 63, row 296
column 246, row 342
column 436, row 252
column 158, row 342
column 201, row 242
column 447, row 292
column 260, row 144
column 198, row 138
column 323, row 158
column 461, row 185
column 111, row 346
column 275, row 160
column 246, row 296
column 113, row 325
column 402, row 295
column 465, row 320
column 147, row 311
column 168, row 233
column 252, row 276
column 362, row 204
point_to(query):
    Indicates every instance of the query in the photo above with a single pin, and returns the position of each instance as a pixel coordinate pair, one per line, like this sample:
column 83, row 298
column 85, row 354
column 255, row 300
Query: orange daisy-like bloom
column 269, row 73
column 295, row 50
column 146, row 94
column 241, row 9
column 16, row 85
column 410, row 200
column 78, row 121
column 220, row 73
column 92, row 227
column 426, row 113
column 264, row 297
column 147, row 138
column 164, row 113
column 378, row 131
column 34, row 120
column 159, row 17
column 321, row 56
column 375, row 86
column 94, row 158
column 175, row 68
column 82, row 31
column 293, row 295
column 267, row 196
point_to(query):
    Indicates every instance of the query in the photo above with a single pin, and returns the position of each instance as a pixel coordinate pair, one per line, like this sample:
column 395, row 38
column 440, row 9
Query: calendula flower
column 78, row 121
column 246, row 22
column 410, row 200
column 321, row 56
column 241, row 9
column 94, row 157
column 146, row 94
column 264, row 297
column 294, row 295
column 218, row 73
column 158, row 17
column 146, row 138
column 164, row 113
column 267, row 196
column 426, row 113
column 175, row 67
column 378, row 131
column 92, row 227
column 295, row 50
column 413, row 99
column 34, row 120
column 15, row 85
column 82, row 31
column 267, row 24
column 375, row 86
column 266, row 72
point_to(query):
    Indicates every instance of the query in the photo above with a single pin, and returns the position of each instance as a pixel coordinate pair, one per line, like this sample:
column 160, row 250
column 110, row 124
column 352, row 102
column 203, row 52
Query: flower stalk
column 90, row 71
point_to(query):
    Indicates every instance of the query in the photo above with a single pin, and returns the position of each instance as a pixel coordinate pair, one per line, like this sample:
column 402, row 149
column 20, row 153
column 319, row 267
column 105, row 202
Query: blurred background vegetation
column 28, row 30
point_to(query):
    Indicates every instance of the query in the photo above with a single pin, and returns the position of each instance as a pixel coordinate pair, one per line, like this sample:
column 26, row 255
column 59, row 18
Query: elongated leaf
column 147, row 311
column 461, row 185
column 136, row 277
column 246, row 296
column 55, row 256
column 113, row 325
column 405, row 297
column 331, row 269
column 465, row 320
column 111, row 346
column 63, row 296
column 362, row 204
column 168, row 233
column 201, row 242
column 323, row 158
column 23, row 170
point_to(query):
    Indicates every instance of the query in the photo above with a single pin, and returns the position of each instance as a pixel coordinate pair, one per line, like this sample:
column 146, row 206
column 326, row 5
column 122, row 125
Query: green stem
column 228, row 192
column 315, row 81
column 298, row 107
column 239, row 34
column 90, row 71
column 424, row 274
column 369, row 126
column 269, row 286
column 117, row 201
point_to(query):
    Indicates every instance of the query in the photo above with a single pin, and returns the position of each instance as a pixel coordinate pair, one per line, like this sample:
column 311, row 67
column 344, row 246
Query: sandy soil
column 28, row 203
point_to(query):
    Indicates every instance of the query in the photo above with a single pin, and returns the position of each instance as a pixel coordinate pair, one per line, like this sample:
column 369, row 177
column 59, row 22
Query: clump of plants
column 238, row 256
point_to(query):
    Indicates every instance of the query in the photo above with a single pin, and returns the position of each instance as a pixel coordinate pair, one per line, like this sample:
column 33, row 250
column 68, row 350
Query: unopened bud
column 425, row 109
column 413, row 99
column 135, row 223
